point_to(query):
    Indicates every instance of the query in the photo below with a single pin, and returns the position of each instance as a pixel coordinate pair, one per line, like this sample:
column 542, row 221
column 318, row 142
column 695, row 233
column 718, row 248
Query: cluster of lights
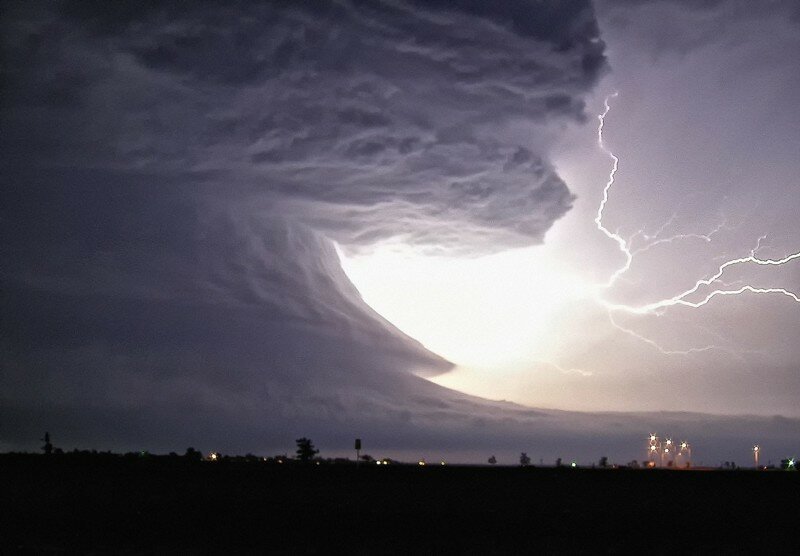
column 666, row 450
column 382, row 462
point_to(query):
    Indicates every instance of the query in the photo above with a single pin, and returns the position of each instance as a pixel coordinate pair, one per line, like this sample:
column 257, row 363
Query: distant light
column 280, row 461
column 422, row 462
column 669, row 441
column 652, row 448
column 653, row 437
column 317, row 463
column 213, row 456
column 573, row 464
column 683, row 445
column 755, row 448
column 443, row 463
column 791, row 463
column 377, row 462
column 666, row 450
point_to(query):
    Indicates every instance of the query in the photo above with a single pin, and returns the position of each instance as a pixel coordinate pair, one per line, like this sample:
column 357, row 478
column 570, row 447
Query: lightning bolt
column 656, row 240
column 656, row 345
column 598, row 220
column 688, row 297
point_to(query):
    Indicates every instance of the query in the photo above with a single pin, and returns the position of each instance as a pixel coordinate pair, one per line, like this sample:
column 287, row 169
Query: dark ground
column 99, row 505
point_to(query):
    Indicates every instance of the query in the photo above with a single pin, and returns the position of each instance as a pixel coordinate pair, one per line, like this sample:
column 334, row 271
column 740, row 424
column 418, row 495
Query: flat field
column 110, row 504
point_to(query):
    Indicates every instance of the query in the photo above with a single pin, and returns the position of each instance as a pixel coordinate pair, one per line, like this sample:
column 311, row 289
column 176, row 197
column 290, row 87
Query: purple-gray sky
column 195, row 199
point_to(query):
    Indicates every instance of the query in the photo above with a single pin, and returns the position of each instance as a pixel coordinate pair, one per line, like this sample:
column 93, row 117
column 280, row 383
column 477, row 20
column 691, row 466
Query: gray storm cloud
column 174, row 176
column 367, row 121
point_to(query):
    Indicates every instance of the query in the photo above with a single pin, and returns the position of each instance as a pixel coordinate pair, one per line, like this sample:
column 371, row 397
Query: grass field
column 110, row 504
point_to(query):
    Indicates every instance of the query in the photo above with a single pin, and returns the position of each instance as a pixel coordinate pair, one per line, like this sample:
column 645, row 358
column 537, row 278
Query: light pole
column 653, row 449
column 756, row 449
column 686, row 452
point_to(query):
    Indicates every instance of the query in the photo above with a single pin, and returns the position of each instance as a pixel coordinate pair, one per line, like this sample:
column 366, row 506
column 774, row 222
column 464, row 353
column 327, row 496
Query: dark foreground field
column 162, row 505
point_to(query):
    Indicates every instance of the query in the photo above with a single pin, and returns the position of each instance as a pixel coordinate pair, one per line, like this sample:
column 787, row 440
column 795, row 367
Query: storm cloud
column 368, row 121
column 175, row 175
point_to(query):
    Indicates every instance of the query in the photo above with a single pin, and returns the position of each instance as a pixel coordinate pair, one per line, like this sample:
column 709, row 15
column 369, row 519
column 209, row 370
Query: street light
column 756, row 449
column 686, row 452
column 654, row 446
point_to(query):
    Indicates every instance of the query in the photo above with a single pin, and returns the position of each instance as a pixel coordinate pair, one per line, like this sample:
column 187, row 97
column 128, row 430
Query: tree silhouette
column 48, row 447
column 558, row 462
column 305, row 449
column 524, row 460
column 603, row 461
column 192, row 454
column 492, row 460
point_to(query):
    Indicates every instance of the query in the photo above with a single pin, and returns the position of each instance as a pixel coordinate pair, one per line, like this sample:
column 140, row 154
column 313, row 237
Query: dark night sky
column 182, row 184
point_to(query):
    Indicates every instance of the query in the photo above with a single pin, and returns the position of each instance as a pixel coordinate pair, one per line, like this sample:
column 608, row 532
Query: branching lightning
column 689, row 297
column 657, row 240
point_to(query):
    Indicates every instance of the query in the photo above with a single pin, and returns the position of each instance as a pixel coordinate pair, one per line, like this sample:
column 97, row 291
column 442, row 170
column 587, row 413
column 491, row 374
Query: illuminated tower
column 684, row 455
column 653, row 449
column 756, row 449
column 667, row 453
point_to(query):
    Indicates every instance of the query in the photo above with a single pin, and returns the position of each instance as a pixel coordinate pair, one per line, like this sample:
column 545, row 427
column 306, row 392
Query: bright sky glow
column 485, row 312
